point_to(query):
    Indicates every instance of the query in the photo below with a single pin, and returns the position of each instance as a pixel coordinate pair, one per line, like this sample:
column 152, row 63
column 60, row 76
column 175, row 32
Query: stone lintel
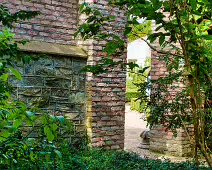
column 56, row 49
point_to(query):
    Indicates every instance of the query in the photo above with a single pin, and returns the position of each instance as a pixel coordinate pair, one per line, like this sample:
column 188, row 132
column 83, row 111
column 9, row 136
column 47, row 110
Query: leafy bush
column 32, row 153
column 133, row 95
column 93, row 159
column 104, row 159
column 140, row 31
column 137, row 105
column 130, row 95
column 18, row 122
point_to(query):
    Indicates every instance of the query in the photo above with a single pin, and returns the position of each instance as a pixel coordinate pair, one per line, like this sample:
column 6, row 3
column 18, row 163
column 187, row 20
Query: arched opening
column 138, row 53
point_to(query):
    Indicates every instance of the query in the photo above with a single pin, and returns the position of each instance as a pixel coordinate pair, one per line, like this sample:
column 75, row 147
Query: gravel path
column 134, row 125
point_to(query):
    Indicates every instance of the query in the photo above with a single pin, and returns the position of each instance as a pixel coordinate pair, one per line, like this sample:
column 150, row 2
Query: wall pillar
column 105, row 92
column 164, row 141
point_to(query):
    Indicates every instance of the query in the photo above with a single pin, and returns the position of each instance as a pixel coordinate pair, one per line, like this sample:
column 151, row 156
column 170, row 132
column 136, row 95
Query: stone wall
column 106, row 92
column 54, row 85
column 165, row 142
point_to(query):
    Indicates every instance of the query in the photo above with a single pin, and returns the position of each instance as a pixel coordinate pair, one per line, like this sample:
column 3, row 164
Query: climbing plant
column 26, row 134
column 183, row 31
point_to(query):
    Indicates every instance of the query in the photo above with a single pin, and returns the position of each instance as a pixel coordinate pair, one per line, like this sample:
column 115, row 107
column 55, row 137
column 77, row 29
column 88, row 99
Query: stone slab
column 56, row 49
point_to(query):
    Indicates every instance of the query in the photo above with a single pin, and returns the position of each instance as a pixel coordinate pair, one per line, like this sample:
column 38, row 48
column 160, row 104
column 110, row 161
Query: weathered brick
column 38, row 5
column 38, row 28
column 51, row 7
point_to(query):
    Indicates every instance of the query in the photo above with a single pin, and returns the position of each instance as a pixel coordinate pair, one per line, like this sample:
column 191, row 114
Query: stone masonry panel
column 53, row 84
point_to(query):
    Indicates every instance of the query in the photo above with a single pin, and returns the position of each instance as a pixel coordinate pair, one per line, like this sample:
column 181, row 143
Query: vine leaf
column 16, row 73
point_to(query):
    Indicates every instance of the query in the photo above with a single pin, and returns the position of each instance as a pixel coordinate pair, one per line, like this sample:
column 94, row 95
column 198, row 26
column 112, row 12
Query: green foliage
column 130, row 95
column 130, row 86
column 137, row 76
column 140, row 31
column 208, row 44
column 8, row 19
column 183, row 34
column 104, row 159
column 38, row 153
column 136, row 105
column 26, row 134
column 45, row 155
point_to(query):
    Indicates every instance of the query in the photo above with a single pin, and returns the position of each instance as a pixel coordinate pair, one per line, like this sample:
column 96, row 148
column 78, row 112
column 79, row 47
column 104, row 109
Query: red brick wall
column 56, row 24
column 106, row 106
column 162, row 141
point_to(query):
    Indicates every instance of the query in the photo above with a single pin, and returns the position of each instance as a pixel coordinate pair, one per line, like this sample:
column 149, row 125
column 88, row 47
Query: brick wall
column 106, row 105
column 106, row 92
column 56, row 24
column 162, row 141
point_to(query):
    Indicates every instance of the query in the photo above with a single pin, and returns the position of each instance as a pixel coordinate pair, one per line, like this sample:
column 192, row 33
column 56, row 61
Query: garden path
column 134, row 125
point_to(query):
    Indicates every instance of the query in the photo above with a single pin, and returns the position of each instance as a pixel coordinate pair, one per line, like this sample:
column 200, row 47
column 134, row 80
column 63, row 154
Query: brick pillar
column 162, row 141
column 106, row 92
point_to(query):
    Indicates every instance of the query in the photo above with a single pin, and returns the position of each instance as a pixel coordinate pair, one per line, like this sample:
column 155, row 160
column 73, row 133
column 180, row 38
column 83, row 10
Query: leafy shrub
column 130, row 95
column 137, row 105
column 140, row 31
column 33, row 153
column 93, row 159
column 17, row 121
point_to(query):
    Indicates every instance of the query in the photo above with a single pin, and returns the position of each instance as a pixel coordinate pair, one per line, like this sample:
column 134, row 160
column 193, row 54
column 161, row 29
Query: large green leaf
column 61, row 118
column 58, row 153
column 161, row 39
column 16, row 73
column 4, row 135
column 48, row 133
column 193, row 4
column 17, row 123
column 54, row 127
column 4, row 77
column 207, row 37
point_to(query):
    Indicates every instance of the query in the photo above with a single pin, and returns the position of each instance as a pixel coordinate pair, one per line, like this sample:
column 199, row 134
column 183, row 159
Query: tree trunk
column 206, row 154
